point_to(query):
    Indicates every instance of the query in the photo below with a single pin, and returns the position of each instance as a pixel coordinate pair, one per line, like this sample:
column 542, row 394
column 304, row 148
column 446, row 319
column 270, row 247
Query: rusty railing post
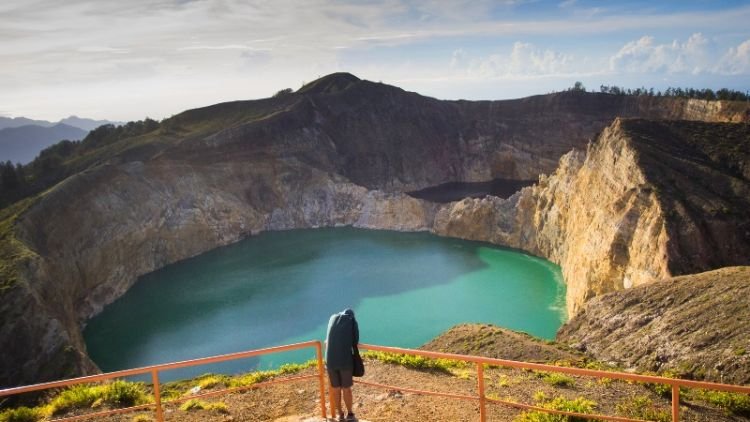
column 157, row 396
column 480, row 387
column 321, row 380
column 675, row 402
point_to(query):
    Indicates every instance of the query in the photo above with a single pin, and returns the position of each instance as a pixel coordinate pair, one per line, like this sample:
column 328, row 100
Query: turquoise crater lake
column 280, row 287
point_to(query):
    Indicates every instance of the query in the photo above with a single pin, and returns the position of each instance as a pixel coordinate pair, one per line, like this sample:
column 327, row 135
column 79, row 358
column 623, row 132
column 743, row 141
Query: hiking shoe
column 350, row 417
column 341, row 418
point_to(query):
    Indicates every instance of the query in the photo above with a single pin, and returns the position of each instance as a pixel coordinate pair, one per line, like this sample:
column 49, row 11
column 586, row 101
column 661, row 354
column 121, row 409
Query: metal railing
column 155, row 369
column 480, row 397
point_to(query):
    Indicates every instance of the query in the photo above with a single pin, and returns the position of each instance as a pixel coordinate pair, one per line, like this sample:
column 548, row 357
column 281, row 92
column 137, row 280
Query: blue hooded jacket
column 342, row 334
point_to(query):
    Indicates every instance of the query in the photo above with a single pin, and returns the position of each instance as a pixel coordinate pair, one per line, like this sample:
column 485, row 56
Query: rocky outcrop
column 596, row 217
column 629, row 211
column 500, row 343
column 693, row 326
column 340, row 153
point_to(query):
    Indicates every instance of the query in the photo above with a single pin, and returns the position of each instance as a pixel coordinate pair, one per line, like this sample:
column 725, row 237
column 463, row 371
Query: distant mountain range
column 21, row 139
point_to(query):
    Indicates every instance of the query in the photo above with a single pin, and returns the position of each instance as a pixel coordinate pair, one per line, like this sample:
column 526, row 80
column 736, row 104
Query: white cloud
column 523, row 60
column 646, row 56
column 736, row 61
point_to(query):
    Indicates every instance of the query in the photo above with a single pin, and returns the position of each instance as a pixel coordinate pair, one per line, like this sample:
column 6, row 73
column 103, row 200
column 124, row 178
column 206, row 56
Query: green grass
column 195, row 404
column 178, row 389
column 577, row 405
column 555, row 379
column 13, row 252
column 22, row 414
column 115, row 394
column 260, row 376
column 210, row 380
column 641, row 407
column 736, row 403
column 415, row 362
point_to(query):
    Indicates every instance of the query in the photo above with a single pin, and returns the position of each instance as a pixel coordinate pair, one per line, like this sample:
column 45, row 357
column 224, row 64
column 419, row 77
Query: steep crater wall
column 648, row 200
column 131, row 219
column 596, row 216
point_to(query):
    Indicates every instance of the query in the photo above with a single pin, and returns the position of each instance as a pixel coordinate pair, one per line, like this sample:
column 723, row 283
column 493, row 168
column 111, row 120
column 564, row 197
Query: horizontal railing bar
column 563, row 369
column 160, row 367
column 561, row 412
column 104, row 413
column 416, row 391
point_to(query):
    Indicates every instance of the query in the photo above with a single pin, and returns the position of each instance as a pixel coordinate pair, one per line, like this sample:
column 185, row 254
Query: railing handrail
column 155, row 369
column 480, row 361
column 158, row 367
column 564, row 369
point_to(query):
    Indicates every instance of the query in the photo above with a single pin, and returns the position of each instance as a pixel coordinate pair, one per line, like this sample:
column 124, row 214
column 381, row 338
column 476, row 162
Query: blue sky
column 127, row 59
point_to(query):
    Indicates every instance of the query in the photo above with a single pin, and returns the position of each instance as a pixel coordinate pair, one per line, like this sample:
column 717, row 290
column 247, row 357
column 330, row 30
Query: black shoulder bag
column 359, row 366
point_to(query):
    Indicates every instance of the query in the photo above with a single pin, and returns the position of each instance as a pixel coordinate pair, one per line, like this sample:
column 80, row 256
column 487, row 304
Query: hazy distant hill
column 21, row 139
column 75, row 121
column 6, row 122
column 86, row 124
column 22, row 144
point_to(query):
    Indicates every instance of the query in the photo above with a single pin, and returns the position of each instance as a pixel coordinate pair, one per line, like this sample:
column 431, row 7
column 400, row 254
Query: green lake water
column 280, row 287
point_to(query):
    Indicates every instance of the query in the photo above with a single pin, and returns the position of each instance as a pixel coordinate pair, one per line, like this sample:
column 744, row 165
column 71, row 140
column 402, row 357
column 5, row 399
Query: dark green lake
column 280, row 287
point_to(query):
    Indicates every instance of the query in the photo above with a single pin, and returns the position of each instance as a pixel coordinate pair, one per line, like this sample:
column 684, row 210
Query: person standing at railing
column 342, row 334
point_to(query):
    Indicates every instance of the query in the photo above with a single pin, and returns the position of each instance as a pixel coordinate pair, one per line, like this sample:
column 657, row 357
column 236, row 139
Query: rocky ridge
column 693, row 326
column 339, row 154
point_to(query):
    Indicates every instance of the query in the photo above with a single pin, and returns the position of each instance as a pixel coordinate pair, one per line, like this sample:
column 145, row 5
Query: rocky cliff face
column 340, row 153
column 645, row 202
column 694, row 326
column 596, row 216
